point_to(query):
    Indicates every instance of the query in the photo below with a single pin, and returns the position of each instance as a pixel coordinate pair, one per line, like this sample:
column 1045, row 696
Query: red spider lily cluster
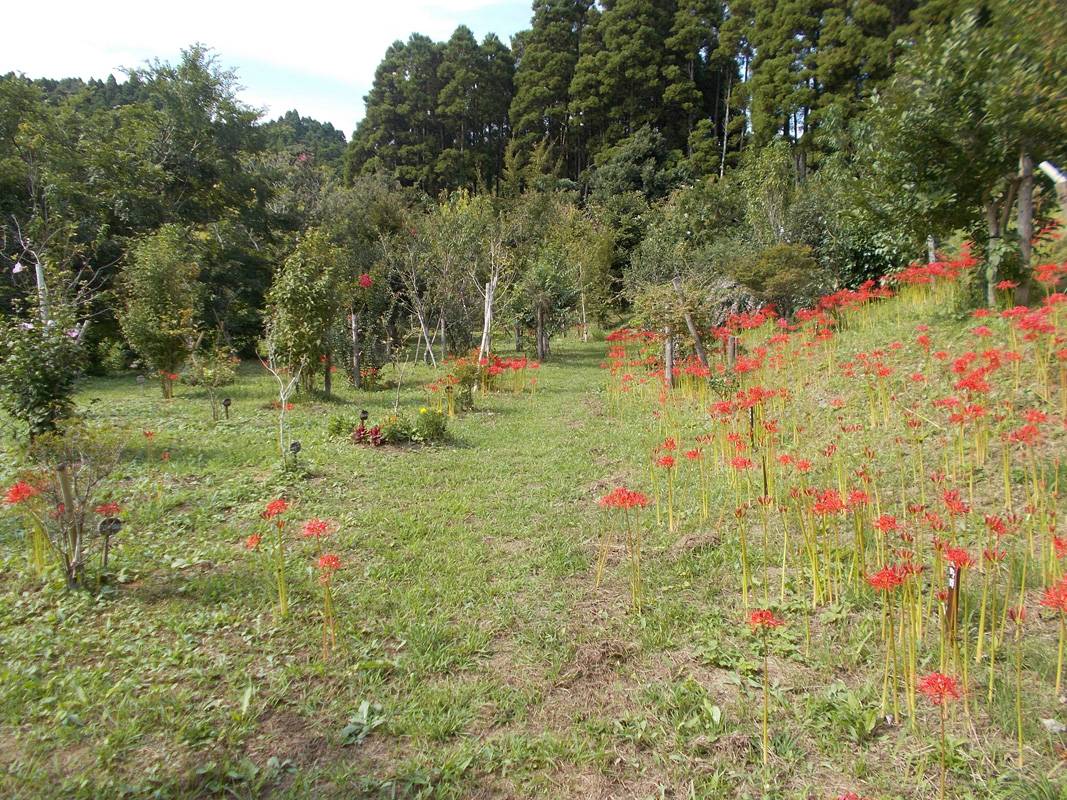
column 921, row 468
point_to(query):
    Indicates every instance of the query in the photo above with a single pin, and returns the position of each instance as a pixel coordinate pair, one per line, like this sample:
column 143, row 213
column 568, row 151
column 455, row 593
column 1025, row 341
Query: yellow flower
column 422, row 410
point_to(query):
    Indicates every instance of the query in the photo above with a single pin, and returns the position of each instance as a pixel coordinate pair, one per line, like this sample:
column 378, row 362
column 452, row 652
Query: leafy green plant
column 39, row 367
column 395, row 429
column 72, row 464
column 430, row 426
column 159, row 316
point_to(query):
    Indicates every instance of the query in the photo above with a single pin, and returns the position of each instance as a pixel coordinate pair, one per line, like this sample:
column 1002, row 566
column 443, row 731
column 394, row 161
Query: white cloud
column 339, row 44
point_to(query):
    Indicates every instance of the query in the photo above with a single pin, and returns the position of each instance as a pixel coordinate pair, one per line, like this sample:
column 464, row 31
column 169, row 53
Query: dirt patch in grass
column 594, row 660
column 693, row 543
column 287, row 735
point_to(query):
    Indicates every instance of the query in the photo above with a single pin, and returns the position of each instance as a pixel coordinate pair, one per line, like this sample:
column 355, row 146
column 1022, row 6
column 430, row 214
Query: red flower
column 623, row 498
column 953, row 502
column 365, row 281
column 693, row 455
column 149, row 434
column 252, row 542
column 829, row 502
column 109, row 510
column 939, row 688
column 886, row 580
column 764, row 619
column 886, row 523
column 274, row 508
column 19, row 492
column 327, row 564
column 666, row 461
column 316, row 527
column 852, row 796
column 1056, row 597
column 959, row 557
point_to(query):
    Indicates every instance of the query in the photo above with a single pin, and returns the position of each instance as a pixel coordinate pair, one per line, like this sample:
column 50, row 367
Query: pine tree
column 545, row 70
column 401, row 135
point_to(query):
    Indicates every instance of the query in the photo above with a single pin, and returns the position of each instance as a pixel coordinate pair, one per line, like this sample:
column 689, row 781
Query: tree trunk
column 698, row 343
column 931, row 249
column 726, row 126
column 993, row 222
column 444, row 348
column 357, row 378
column 668, row 358
column 327, row 382
column 541, row 333
column 1025, row 225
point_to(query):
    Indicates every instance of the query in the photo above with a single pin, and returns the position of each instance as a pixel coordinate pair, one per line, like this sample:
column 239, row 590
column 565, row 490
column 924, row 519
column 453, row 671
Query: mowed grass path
column 484, row 661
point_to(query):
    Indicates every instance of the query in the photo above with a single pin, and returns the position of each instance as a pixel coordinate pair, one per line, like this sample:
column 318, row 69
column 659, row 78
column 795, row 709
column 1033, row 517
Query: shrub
column 395, row 429
column 39, row 367
column 430, row 426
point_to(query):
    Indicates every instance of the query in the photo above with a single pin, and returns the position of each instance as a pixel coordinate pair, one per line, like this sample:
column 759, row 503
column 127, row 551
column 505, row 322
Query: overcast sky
column 316, row 57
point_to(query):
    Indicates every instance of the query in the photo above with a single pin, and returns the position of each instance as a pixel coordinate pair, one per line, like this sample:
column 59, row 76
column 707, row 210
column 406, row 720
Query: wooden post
column 698, row 343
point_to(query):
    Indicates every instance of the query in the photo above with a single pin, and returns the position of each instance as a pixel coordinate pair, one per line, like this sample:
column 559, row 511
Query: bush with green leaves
column 430, row 426
column 40, row 363
column 158, row 319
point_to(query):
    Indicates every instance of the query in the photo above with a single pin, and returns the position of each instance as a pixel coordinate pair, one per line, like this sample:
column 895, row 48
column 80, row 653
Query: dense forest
column 681, row 160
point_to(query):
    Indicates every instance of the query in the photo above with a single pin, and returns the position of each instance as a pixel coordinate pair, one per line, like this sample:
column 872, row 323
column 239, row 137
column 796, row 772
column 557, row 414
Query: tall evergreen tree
column 624, row 80
column 401, row 135
column 546, row 64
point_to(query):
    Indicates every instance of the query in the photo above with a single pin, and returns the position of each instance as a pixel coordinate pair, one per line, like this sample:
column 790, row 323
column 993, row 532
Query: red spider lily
column 694, row 455
column 953, row 502
column 996, row 524
column 109, row 510
column 829, row 502
column 764, row 619
column 274, row 508
column 1017, row 614
column 20, row 492
column 993, row 556
column 1035, row 417
column 858, row 498
column 888, row 579
column 623, row 498
column 852, row 796
column 886, row 523
column 252, row 542
column 149, row 434
column 666, row 461
column 1056, row 597
column 740, row 463
column 961, row 558
column 327, row 564
column 316, row 528
column 940, row 688
column 669, row 445
column 1059, row 545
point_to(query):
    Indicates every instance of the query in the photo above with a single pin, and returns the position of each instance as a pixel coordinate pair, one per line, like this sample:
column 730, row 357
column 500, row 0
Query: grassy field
column 480, row 659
